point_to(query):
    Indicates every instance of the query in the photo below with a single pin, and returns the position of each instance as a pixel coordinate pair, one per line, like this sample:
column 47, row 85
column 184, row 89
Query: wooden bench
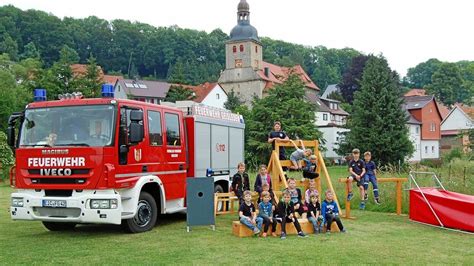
column 241, row 230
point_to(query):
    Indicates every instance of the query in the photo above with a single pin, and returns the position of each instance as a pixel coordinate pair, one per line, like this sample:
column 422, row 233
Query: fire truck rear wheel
column 146, row 216
column 55, row 226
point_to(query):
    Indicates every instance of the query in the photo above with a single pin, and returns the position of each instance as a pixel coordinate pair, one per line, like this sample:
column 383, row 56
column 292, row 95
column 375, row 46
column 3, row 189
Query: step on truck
column 116, row 161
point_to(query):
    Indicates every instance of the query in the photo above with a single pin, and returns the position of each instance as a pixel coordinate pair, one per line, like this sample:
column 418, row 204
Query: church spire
column 243, row 12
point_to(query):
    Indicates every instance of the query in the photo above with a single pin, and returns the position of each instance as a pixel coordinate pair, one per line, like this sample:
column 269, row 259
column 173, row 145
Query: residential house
column 210, row 94
column 141, row 90
column 330, row 120
column 424, row 109
column 330, row 89
column 454, row 129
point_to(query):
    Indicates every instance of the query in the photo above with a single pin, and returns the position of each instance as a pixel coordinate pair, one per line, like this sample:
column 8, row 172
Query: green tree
column 352, row 77
column 179, row 93
column 377, row 122
column 285, row 103
column 6, row 156
column 9, row 46
column 420, row 75
column 68, row 56
column 448, row 85
column 90, row 83
column 30, row 51
column 233, row 102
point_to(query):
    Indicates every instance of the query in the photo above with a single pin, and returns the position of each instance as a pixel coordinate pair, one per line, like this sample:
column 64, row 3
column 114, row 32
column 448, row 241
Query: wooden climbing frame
column 275, row 168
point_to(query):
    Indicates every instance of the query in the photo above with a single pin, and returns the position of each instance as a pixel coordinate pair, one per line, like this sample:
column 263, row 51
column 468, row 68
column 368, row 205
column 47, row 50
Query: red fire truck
column 116, row 161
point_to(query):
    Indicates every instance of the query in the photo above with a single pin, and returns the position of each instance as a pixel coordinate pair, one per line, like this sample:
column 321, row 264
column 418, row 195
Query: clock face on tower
column 238, row 62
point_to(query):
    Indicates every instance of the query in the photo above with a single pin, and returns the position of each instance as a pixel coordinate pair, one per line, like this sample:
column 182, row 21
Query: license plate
column 54, row 203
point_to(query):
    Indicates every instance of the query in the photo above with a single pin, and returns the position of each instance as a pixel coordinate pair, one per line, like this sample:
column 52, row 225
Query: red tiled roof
column 110, row 79
column 469, row 110
column 443, row 110
column 81, row 70
column 278, row 74
column 416, row 92
column 200, row 91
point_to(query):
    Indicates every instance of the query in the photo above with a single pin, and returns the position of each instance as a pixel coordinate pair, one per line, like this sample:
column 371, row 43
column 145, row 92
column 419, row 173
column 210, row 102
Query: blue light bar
column 107, row 90
column 39, row 95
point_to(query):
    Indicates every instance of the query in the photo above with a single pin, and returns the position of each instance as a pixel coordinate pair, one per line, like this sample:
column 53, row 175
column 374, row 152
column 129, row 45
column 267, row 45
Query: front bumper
column 78, row 208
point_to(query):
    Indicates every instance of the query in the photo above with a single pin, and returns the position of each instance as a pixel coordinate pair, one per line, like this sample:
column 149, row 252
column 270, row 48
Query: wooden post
column 328, row 179
column 348, row 203
column 399, row 197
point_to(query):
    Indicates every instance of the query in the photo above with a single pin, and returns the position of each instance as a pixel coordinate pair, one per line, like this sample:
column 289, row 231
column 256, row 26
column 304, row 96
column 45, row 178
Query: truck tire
column 55, row 226
column 219, row 189
column 146, row 216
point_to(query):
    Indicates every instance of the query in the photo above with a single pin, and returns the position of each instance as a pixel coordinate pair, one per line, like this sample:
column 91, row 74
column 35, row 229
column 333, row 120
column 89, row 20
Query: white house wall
column 330, row 134
column 319, row 118
column 429, row 149
column 415, row 138
column 216, row 97
column 457, row 120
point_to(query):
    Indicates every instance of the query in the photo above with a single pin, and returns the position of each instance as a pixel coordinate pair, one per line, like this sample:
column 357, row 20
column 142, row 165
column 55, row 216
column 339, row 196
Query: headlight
column 104, row 204
column 17, row 202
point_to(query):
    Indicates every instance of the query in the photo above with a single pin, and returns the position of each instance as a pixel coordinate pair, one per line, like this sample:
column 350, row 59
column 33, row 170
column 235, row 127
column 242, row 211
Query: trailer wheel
column 55, row 226
column 146, row 216
column 219, row 189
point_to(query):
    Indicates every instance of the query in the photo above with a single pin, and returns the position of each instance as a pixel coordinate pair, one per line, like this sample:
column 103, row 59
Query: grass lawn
column 374, row 237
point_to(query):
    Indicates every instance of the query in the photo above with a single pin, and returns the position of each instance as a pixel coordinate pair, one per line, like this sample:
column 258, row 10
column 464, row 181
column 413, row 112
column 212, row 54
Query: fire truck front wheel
column 55, row 226
column 146, row 216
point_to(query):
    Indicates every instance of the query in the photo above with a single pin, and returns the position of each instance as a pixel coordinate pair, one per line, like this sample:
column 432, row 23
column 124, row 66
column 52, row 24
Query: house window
column 432, row 127
column 325, row 117
column 426, row 149
column 234, row 49
column 256, row 49
column 154, row 128
column 333, row 118
column 241, row 48
column 432, row 149
column 417, row 130
column 217, row 96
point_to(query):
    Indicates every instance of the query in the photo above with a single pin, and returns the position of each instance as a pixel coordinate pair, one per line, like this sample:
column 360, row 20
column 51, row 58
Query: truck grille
column 57, row 212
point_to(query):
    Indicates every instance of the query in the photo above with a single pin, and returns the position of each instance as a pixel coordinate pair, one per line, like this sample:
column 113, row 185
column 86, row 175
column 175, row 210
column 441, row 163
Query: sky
column 406, row 32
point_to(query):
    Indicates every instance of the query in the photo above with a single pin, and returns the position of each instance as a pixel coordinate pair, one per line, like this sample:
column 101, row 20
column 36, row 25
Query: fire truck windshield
column 91, row 125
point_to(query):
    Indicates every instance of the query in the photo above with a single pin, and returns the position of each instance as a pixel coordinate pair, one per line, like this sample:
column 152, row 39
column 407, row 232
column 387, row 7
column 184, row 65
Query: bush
column 6, row 156
column 432, row 163
column 454, row 153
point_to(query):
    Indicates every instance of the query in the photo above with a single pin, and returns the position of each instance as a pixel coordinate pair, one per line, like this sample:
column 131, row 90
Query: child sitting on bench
column 265, row 211
column 286, row 214
column 314, row 212
column 330, row 213
column 273, row 200
column 295, row 194
column 248, row 215
column 370, row 176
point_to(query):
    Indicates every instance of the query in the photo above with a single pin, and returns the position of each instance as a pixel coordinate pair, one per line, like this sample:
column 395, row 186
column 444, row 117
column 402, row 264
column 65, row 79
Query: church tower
column 244, row 48
column 244, row 57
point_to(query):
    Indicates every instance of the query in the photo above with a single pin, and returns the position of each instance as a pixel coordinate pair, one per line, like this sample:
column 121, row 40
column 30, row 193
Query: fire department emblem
column 138, row 154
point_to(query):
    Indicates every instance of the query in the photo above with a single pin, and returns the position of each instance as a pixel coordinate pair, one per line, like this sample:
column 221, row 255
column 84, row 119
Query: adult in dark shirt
column 277, row 133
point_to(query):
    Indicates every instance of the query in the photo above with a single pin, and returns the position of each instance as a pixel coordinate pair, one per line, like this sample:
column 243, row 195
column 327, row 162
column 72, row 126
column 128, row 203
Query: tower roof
column 243, row 30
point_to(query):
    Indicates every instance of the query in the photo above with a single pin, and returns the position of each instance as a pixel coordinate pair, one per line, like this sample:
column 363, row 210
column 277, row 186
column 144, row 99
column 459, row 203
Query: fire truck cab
column 116, row 161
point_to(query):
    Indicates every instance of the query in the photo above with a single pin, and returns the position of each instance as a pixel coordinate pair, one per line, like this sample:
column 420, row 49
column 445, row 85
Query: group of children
column 362, row 172
column 269, row 212
column 288, row 208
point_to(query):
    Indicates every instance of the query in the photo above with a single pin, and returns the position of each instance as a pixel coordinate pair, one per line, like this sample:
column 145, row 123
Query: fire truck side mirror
column 11, row 137
column 136, row 131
